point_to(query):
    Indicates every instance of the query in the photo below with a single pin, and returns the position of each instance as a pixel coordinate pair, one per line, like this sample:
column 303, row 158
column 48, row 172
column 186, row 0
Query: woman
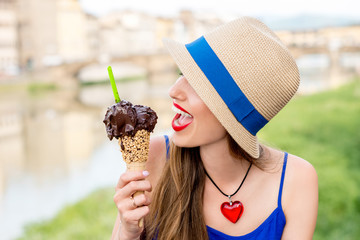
column 219, row 182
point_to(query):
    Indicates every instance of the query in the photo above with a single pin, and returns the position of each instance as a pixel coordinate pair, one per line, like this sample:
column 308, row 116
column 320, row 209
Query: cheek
column 206, row 129
column 202, row 133
column 210, row 129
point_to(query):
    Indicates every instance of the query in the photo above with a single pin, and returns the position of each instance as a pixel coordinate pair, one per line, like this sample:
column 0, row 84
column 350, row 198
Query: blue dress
column 271, row 229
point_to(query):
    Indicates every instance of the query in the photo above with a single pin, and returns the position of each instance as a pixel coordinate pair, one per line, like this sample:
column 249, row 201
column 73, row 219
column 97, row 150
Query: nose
column 176, row 91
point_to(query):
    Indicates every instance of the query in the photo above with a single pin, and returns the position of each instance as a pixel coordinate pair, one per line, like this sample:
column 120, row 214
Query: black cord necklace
column 231, row 210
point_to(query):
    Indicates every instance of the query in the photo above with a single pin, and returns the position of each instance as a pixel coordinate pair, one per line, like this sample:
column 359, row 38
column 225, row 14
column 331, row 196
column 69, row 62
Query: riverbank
column 321, row 128
column 90, row 218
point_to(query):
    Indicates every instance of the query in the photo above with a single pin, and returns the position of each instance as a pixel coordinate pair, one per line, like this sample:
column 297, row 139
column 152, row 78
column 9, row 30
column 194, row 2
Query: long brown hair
column 176, row 211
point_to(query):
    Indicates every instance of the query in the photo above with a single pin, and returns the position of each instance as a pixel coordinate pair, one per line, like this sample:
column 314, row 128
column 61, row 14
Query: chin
column 193, row 141
column 183, row 141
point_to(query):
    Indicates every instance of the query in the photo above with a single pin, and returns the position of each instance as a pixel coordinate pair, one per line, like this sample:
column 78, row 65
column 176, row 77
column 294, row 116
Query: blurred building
column 127, row 33
column 165, row 27
column 92, row 36
column 35, row 34
column 71, row 31
column 8, row 38
column 328, row 38
column 51, row 33
column 193, row 25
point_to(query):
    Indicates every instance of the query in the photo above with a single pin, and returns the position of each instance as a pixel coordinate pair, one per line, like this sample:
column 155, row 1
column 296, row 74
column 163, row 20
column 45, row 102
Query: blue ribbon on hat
column 229, row 91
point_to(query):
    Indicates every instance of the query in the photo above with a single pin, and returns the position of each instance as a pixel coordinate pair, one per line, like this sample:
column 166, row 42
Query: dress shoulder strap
column 167, row 146
column 282, row 179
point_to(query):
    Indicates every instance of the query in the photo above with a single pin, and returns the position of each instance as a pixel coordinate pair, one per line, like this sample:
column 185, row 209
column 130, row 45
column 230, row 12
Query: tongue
column 183, row 120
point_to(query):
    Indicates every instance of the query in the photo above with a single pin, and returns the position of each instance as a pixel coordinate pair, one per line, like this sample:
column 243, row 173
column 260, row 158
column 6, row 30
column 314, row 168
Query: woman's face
column 194, row 123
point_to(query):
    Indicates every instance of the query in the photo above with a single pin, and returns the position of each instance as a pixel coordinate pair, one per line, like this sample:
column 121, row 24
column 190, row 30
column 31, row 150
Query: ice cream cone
column 136, row 166
column 135, row 151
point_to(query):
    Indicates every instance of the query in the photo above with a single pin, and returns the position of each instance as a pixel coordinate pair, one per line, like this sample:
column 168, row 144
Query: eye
column 181, row 74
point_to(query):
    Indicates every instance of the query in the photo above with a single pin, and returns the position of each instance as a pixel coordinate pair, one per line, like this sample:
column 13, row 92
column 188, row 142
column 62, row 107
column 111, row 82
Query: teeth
column 175, row 109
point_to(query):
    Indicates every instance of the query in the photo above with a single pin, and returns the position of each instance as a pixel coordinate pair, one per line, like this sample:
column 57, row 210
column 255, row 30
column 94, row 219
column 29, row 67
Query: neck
column 224, row 169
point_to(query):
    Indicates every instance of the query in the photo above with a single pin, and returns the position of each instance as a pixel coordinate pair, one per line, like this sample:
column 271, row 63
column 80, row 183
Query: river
column 54, row 150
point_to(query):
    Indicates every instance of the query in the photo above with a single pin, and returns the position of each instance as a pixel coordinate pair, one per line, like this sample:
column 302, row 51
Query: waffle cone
column 135, row 149
column 136, row 166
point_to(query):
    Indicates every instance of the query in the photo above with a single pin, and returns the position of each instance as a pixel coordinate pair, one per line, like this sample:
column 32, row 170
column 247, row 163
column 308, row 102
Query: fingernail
column 146, row 173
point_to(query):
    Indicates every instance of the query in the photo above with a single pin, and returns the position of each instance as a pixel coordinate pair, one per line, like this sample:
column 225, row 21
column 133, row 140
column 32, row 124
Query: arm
column 130, row 210
column 126, row 226
column 115, row 232
column 300, row 199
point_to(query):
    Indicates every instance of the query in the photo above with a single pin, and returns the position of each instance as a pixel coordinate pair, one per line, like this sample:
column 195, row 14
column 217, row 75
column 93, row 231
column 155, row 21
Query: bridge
column 160, row 65
column 156, row 66
column 298, row 52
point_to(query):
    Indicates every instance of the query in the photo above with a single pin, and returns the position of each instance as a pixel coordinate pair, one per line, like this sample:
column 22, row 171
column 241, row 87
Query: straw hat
column 243, row 73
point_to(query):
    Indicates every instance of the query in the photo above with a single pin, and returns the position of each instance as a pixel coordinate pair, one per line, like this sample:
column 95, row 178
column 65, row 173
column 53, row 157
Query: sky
column 283, row 8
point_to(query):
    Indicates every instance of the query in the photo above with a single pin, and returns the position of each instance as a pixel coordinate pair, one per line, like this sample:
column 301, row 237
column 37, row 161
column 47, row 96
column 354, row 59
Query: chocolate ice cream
column 125, row 119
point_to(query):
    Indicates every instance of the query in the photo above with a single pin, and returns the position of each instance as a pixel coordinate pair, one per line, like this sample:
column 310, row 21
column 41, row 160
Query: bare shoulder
column 157, row 157
column 300, row 198
column 300, row 172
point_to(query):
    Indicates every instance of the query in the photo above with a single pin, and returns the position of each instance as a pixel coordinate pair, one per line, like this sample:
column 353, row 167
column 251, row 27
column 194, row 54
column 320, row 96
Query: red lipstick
column 179, row 107
column 186, row 121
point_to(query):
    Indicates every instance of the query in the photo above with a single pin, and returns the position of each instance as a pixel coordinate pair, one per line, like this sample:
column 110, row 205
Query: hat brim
column 211, row 98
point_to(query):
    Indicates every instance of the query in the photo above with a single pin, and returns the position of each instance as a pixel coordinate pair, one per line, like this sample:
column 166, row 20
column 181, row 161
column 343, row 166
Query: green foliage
column 322, row 128
column 36, row 88
column 32, row 88
column 91, row 218
column 117, row 80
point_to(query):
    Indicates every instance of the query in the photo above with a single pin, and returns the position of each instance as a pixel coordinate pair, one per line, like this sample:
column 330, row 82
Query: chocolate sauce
column 125, row 119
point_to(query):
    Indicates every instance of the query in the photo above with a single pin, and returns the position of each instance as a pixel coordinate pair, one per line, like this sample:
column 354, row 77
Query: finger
column 140, row 200
column 135, row 186
column 130, row 189
column 135, row 215
column 129, row 176
column 131, row 203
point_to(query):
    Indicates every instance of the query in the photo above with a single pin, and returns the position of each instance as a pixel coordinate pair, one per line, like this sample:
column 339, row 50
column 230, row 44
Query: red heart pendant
column 232, row 212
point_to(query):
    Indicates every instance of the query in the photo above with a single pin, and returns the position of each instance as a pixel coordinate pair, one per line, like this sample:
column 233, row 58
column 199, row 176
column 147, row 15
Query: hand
column 132, row 208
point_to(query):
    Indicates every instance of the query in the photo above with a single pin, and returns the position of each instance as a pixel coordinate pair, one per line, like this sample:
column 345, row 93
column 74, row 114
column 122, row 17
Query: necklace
column 231, row 210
